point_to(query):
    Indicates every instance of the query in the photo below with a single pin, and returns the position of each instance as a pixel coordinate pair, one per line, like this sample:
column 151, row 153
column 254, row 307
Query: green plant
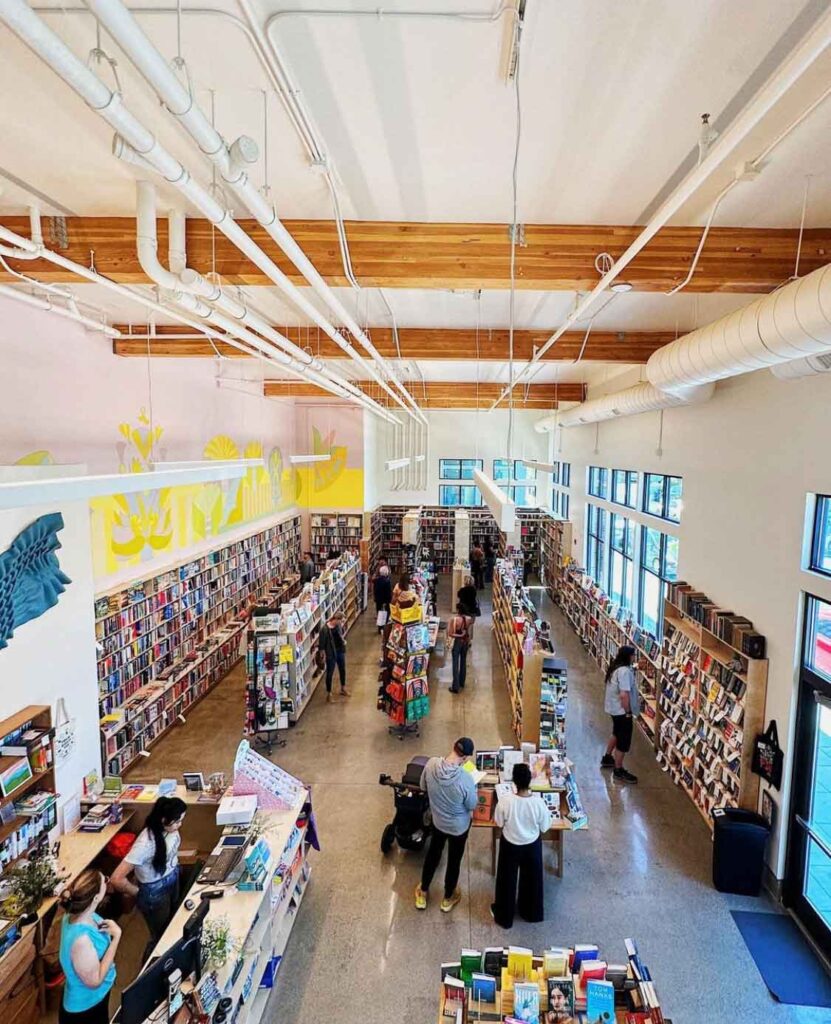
column 218, row 945
column 30, row 883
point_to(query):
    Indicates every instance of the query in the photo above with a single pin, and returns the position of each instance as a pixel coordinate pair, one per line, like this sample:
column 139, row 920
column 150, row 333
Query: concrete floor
column 361, row 952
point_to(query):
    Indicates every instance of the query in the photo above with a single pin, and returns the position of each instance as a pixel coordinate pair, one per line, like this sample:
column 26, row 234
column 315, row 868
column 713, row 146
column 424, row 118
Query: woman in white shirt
column 622, row 705
column 154, row 860
column 523, row 818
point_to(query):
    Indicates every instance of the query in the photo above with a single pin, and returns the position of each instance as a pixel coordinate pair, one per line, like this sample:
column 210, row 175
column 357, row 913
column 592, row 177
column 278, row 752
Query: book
column 112, row 786
column 454, row 996
column 527, row 1002
column 485, row 801
column 492, row 960
column 520, row 962
column 600, row 1001
column 591, row 969
column 555, row 962
column 560, row 999
column 584, row 951
column 471, row 961
column 451, row 969
column 483, row 988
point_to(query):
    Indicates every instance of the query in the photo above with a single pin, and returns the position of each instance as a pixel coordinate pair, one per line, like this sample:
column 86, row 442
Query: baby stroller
column 412, row 824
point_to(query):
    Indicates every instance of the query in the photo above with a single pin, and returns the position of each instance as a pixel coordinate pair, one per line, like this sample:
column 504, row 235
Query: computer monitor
column 150, row 989
column 193, row 925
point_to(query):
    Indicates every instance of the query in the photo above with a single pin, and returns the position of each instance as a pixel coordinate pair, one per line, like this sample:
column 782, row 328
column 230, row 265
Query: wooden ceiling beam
column 443, row 394
column 416, row 343
column 555, row 257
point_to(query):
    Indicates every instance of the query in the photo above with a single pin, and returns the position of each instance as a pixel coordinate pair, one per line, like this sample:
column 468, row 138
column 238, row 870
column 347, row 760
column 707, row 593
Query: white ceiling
column 420, row 126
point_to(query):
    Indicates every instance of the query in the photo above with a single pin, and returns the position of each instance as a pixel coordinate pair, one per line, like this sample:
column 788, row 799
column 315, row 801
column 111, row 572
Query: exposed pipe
column 39, row 302
column 123, row 27
column 801, row 58
column 17, row 253
column 640, row 398
column 807, row 367
column 135, row 138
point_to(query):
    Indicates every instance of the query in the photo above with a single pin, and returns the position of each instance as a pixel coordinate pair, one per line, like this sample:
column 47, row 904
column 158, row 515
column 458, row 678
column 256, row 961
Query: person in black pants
column 333, row 644
column 452, row 794
column 490, row 559
column 477, row 565
column 382, row 593
column 523, row 818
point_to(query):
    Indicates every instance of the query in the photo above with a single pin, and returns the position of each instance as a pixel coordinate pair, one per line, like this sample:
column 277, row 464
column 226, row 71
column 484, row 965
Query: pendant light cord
column 514, row 231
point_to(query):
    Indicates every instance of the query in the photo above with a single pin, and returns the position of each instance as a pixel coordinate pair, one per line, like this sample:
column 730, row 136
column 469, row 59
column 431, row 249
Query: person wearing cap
column 452, row 795
column 622, row 704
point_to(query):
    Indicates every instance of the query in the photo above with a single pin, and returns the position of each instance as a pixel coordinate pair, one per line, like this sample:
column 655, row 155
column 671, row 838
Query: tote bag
column 768, row 756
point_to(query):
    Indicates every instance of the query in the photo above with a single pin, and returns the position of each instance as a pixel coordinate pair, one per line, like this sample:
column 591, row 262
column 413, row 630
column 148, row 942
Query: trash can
column 739, row 840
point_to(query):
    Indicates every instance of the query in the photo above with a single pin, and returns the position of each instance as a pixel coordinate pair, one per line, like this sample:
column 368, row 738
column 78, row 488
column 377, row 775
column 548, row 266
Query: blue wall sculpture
column 31, row 580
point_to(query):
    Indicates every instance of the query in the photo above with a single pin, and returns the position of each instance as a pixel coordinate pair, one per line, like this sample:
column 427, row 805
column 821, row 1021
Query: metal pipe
column 43, row 303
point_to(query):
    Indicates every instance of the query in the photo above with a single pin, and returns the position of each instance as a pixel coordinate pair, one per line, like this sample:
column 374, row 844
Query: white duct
column 790, row 324
column 231, row 163
column 17, row 253
column 807, row 367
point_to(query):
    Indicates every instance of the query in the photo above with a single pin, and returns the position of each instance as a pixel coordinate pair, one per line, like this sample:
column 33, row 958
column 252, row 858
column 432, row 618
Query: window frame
column 662, row 575
column 598, row 477
column 630, row 488
column 596, row 540
column 518, row 473
column 565, row 474
column 459, row 487
column 462, row 468
column 821, row 535
column 666, row 490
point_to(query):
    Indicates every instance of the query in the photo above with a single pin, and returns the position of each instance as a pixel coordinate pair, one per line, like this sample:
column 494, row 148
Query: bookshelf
column 385, row 536
column 333, row 530
column 711, row 704
column 27, row 774
column 555, row 548
column 166, row 640
column 278, row 690
column 438, row 534
column 482, row 525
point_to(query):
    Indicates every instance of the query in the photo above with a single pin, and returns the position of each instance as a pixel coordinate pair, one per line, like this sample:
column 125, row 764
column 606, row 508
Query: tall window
column 621, row 560
column 662, row 496
column 555, row 472
column 459, row 493
column 598, row 481
column 564, row 503
column 596, row 542
column 506, row 472
column 523, row 497
column 458, row 469
column 821, row 544
column 565, row 474
column 659, row 565
column 625, row 487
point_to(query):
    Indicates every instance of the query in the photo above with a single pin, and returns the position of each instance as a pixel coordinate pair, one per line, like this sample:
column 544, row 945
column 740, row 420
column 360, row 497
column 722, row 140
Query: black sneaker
column 622, row 775
column 607, row 761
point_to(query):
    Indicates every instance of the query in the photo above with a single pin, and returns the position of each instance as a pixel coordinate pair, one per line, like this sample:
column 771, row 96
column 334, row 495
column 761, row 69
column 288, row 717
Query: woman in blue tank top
column 87, row 952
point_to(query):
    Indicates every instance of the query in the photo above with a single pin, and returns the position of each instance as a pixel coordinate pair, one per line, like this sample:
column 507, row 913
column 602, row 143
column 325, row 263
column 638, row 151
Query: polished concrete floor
column 361, row 952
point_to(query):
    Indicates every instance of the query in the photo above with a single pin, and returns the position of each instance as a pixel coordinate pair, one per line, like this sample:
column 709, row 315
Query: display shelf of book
column 385, row 535
column 555, row 548
column 531, row 524
column 712, row 702
column 483, row 525
column 165, row 640
column 404, row 693
column 338, row 530
column 438, row 536
column 28, row 800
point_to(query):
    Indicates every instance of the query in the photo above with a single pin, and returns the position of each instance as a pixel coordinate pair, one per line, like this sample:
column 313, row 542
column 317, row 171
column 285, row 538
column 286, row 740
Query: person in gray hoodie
column 452, row 794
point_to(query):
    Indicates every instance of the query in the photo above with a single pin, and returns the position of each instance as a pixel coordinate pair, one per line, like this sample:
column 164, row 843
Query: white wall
column 748, row 459
column 53, row 656
column 459, row 434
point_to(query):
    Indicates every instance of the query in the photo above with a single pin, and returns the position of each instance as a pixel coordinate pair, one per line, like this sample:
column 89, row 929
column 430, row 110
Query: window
column 458, row 469
column 625, row 487
column 555, row 501
column 596, row 542
column 555, row 472
column 523, row 497
column 565, row 474
column 818, row 638
column 502, row 471
column 821, row 545
column 662, row 496
column 564, row 503
column 659, row 565
column 598, row 482
column 622, row 560
column 459, row 494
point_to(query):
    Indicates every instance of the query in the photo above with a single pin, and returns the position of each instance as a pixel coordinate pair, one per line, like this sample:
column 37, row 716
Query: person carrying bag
column 458, row 631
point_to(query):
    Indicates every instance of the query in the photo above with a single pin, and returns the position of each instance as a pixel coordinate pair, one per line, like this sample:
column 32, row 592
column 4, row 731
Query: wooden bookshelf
column 482, row 525
column 710, row 710
column 438, row 534
column 166, row 640
column 34, row 799
column 385, row 536
column 338, row 530
column 555, row 548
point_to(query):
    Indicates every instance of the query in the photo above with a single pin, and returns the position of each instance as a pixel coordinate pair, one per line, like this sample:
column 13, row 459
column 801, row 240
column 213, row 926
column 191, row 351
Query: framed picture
column 14, row 776
column 194, row 781
column 769, row 808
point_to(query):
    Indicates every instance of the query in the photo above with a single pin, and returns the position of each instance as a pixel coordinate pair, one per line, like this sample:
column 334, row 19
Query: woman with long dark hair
column 87, row 951
column 154, row 859
column 621, row 703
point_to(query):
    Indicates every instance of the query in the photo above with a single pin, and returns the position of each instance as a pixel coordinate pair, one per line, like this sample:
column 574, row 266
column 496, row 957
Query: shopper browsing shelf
column 87, row 951
column 490, row 559
column 452, row 795
column 466, row 597
column 524, row 819
column 403, row 594
column 332, row 642
column 307, row 568
column 459, row 630
column 154, row 860
column 382, row 595
column 477, row 565
column 622, row 703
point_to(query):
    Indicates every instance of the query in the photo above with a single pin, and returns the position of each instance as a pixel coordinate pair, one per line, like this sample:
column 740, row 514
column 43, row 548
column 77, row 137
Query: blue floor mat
column 788, row 965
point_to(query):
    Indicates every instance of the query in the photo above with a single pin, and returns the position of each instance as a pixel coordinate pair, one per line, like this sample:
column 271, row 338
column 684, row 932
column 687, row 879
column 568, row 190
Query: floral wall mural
column 338, row 483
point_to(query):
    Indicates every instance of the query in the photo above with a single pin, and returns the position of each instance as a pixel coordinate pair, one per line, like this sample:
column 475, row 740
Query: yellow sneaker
column 420, row 898
column 448, row 904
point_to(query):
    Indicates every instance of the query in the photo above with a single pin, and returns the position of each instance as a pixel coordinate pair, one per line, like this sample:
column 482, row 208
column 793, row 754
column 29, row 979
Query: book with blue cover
column 600, row 1002
column 527, row 1002
column 483, row 988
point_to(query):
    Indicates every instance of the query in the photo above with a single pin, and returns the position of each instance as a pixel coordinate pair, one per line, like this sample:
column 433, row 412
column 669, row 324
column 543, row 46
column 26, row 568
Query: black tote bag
column 768, row 756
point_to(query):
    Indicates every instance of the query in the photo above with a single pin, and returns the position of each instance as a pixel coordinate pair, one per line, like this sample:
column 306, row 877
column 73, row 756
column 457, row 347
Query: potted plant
column 218, row 945
column 29, row 884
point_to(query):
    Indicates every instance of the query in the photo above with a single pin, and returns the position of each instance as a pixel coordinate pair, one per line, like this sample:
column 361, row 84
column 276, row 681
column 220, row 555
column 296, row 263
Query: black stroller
column 411, row 825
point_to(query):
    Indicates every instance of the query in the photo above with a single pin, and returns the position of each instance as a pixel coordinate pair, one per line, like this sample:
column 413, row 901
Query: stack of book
column 96, row 819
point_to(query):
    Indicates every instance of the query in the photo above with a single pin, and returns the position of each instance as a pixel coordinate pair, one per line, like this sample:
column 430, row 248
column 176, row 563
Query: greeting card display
column 274, row 788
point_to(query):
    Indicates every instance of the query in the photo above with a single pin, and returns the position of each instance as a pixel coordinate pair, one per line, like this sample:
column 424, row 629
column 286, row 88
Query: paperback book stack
column 553, row 703
column 564, row 985
column 404, row 692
